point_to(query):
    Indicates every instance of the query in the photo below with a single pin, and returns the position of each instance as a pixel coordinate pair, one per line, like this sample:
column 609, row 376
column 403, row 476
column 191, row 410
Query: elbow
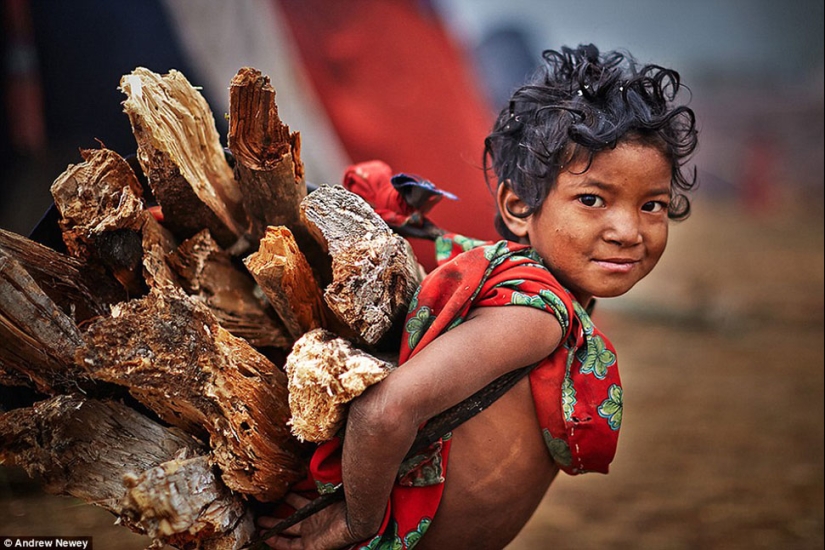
column 376, row 414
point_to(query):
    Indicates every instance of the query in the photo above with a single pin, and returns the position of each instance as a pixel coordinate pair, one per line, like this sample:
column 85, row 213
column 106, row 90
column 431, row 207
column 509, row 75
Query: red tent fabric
column 398, row 89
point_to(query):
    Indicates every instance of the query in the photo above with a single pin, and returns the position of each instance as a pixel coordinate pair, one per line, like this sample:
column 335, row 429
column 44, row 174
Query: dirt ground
column 721, row 351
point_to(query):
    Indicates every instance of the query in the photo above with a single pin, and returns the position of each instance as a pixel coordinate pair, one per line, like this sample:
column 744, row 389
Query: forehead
column 628, row 162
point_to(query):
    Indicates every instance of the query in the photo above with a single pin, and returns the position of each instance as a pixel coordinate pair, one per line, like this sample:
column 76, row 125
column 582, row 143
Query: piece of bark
column 107, row 454
column 325, row 373
column 39, row 340
column 286, row 279
column 157, row 243
column 374, row 273
column 208, row 272
column 101, row 213
column 173, row 356
column 267, row 155
column 180, row 152
column 80, row 290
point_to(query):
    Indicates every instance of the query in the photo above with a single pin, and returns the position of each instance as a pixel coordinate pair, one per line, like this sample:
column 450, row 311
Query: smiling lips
column 617, row 265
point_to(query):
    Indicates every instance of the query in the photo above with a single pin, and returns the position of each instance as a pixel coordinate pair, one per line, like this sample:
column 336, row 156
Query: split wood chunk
column 180, row 152
column 158, row 243
column 98, row 196
column 267, row 155
column 325, row 373
column 374, row 273
column 286, row 279
column 208, row 272
column 182, row 503
column 79, row 289
column 173, row 356
column 83, row 448
column 38, row 339
column 153, row 478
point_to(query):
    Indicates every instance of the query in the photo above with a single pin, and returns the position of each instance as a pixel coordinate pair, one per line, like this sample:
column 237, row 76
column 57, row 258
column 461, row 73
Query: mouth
column 617, row 265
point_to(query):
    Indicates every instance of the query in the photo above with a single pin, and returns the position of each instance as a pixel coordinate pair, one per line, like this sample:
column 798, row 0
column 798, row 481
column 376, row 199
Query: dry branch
column 208, row 272
column 101, row 213
column 286, row 279
column 374, row 273
column 157, row 243
column 39, row 339
column 182, row 502
column 81, row 290
column 173, row 356
column 267, row 155
column 180, row 152
column 106, row 453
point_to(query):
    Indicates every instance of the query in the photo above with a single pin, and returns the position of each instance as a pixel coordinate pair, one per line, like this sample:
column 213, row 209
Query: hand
column 324, row 530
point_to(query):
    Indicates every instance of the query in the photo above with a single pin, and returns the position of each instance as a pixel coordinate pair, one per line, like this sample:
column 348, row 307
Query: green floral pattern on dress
column 418, row 324
column 444, row 246
column 559, row 449
column 611, row 408
column 594, row 356
column 325, row 488
column 568, row 398
column 520, row 299
column 412, row 538
column 390, row 540
column 423, row 469
column 558, row 307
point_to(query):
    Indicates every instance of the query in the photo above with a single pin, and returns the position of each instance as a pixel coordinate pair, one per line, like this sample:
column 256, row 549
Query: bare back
column 499, row 471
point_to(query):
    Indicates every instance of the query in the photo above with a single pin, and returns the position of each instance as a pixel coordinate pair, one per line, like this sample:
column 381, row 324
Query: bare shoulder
column 499, row 471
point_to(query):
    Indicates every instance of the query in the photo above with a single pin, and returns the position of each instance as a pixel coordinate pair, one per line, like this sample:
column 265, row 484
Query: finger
column 284, row 543
column 267, row 522
column 293, row 530
column 296, row 501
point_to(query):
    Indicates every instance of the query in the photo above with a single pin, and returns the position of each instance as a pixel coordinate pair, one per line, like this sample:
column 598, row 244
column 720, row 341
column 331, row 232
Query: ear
column 509, row 207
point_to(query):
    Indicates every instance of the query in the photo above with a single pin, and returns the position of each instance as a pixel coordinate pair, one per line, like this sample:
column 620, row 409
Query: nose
column 623, row 227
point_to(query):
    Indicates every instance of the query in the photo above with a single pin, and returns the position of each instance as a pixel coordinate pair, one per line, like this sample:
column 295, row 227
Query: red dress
column 577, row 391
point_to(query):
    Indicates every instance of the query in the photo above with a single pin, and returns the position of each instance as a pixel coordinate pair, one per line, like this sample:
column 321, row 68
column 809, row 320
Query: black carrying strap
column 434, row 430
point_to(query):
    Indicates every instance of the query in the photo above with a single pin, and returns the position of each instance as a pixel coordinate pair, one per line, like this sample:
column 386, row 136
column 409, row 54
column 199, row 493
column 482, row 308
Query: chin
column 612, row 292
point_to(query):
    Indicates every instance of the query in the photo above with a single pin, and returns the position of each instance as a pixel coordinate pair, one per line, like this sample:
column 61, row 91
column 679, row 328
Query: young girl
column 588, row 162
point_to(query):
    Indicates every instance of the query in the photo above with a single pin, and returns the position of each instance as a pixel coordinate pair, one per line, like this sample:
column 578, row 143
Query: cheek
column 657, row 241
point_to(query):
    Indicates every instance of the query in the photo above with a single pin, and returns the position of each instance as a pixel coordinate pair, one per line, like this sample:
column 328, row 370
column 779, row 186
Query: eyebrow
column 665, row 190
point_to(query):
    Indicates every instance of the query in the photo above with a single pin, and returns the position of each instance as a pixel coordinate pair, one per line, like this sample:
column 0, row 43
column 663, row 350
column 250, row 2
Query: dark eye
column 594, row 201
column 654, row 206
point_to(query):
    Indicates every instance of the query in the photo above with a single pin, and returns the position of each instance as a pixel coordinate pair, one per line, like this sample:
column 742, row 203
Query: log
column 286, row 279
column 101, row 214
column 155, row 479
column 158, row 243
column 171, row 354
column 179, row 150
column 268, row 165
column 183, row 503
column 208, row 272
column 80, row 289
column 374, row 273
column 38, row 339
column 325, row 373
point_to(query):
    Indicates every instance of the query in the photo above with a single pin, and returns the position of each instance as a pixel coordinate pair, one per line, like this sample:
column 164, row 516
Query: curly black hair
column 580, row 102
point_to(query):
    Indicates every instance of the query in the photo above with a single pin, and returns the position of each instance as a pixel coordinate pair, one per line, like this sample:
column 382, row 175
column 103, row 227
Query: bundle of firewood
column 203, row 320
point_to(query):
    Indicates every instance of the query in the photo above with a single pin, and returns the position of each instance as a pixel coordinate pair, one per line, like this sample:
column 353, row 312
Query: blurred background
column 721, row 347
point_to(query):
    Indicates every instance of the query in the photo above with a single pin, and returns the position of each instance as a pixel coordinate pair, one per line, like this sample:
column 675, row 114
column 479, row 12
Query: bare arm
column 384, row 420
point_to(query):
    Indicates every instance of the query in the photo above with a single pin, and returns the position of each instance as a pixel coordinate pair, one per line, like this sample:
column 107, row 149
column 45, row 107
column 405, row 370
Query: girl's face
column 601, row 231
